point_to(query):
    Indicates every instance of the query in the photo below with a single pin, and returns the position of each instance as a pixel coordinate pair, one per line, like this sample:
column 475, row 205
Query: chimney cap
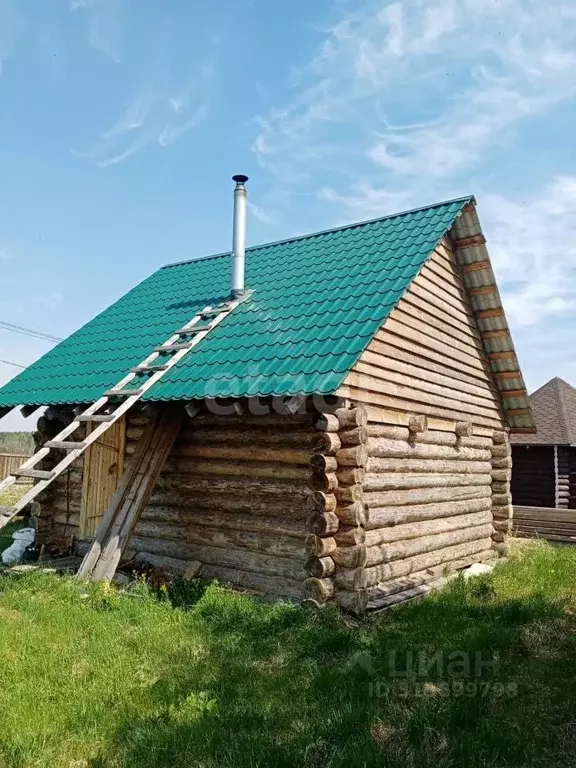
column 240, row 178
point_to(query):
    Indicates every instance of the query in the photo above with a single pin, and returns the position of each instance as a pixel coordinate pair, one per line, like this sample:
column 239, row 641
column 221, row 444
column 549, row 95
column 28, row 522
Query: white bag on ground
column 22, row 539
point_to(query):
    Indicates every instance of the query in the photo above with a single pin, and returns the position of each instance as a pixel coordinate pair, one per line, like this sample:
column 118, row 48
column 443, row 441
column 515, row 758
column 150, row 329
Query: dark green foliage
column 17, row 442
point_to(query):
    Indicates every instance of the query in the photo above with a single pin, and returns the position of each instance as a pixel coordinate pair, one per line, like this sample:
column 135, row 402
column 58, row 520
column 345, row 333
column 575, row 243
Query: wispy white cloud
column 533, row 247
column 475, row 69
column 106, row 20
column 156, row 116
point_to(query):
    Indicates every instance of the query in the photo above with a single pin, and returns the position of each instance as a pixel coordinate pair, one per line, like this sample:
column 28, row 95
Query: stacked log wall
column 427, row 496
column 233, row 498
column 562, row 462
column 502, row 511
column 552, row 524
column 428, row 357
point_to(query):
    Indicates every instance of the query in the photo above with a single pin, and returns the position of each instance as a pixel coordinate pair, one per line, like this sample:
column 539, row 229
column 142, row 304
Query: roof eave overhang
column 470, row 248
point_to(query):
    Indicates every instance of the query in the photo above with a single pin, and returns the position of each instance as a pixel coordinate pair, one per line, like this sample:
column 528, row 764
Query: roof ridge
column 353, row 225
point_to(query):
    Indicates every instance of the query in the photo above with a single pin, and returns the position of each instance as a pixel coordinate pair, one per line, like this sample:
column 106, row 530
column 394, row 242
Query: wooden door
column 103, row 468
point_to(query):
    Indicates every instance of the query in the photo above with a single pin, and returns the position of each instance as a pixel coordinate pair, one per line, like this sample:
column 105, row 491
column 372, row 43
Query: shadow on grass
column 282, row 686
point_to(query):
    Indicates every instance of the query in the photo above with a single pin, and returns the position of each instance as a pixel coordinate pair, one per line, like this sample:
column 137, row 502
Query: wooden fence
column 10, row 461
column 546, row 523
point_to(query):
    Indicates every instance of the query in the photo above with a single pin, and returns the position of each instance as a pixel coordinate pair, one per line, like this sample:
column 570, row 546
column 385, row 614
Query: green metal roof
column 318, row 300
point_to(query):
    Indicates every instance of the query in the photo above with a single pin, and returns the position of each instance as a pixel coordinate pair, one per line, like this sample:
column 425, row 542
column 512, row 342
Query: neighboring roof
column 317, row 302
column 554, row 409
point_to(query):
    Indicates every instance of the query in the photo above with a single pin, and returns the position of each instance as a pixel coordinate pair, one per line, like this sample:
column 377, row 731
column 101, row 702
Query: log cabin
column 544, row 465
column 341, row 436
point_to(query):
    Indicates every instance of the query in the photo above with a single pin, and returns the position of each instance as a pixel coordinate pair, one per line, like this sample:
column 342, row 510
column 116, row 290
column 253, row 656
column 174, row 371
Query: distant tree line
column 16, row 442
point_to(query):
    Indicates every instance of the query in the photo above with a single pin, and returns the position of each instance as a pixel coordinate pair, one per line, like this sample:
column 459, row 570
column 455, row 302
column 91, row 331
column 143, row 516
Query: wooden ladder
column 114, row 404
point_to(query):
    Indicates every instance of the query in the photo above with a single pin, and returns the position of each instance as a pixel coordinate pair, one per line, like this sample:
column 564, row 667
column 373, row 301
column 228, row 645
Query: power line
column 29, row 332
column 16, row 365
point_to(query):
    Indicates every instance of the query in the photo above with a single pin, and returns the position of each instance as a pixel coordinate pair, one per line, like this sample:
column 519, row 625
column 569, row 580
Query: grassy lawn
column 91, row 677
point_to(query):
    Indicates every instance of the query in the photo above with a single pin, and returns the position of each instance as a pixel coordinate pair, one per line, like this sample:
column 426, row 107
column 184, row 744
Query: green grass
column 93, row 678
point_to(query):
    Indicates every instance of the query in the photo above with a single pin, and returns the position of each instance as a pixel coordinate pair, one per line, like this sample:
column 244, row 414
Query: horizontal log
column 346, row 494
column 63, row 518
column 505, row 463
column 426, row 528
column 294, row 509
column 319, row 589
column 352, row 514
column 350, row 475
column 349, row 536
column 271, row 437
column 430, row 437
column 264, row 543
column 137, row 419
column 229, row 558
column 248, row 453
column 417, row 424
column 358, row 601
column 501, row 475
column 393, row 515
column 464, row 429
column 401, row 449
column 501, row 451
column 323, row 463
column 327, row 422
column 359, row 578
column 369, row 556
column 319, row 567
column 322, row 524
column 397, row 481
column 318, row 545
column 322, row 481
column 134, row 433
column 356, row 436
column 269, row 487
column 436, row 466
column 352, row 417
column 267, row 584
column 501, row 499
column 356, row 456
column 544, row 513
column 243, row 468
column 321, row 502
column 253, row 421
column 328, row 443
column 425, row 496
column 234, row 521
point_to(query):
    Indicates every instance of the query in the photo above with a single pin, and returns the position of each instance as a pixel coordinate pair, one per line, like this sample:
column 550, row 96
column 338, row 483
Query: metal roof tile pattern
column 317, row 302
column 554, row 410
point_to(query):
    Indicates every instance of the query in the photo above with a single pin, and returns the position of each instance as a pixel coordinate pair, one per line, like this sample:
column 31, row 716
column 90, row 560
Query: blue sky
column 121, row 122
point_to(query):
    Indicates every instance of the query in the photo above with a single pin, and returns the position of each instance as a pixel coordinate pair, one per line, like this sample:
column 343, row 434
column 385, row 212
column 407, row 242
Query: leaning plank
column 132, row 496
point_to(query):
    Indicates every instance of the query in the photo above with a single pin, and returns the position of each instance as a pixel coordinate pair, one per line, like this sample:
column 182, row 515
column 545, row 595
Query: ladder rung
column 194, row 329
column 123, row 393
column 141, row 369
column 33, row 474
column 64, row 445
column 95, row 417
column 172, row 348
column 215, row 311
